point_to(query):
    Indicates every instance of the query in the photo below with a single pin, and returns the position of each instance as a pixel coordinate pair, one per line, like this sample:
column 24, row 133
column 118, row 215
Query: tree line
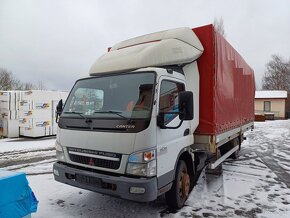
column 9, row 82
column 277, row 74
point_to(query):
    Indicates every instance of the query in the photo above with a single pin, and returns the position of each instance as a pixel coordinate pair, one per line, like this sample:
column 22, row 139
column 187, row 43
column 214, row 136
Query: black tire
column 179, row 192
column 235, row 142
column 225, row 148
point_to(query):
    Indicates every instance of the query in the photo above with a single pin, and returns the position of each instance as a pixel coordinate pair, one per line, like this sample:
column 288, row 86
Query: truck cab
column 110, row 125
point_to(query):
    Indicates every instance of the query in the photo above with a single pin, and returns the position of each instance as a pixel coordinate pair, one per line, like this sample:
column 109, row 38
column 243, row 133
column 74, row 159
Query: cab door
column 170, row 141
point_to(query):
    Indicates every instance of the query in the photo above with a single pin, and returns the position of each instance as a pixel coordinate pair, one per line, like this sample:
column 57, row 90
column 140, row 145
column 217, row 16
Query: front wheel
column 179, row 192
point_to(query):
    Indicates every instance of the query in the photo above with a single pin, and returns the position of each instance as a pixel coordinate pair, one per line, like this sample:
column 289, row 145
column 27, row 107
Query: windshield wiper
column 113, row 112
column 87, row 120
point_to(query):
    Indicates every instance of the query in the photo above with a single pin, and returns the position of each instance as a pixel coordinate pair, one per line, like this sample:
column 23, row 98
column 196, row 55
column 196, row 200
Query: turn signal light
column 149, row 155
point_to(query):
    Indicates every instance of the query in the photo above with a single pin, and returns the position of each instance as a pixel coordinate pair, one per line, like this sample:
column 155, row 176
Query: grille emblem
column 91, row 162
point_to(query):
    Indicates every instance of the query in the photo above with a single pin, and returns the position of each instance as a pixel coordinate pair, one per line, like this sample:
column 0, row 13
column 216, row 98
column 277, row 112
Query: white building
column 271, row 103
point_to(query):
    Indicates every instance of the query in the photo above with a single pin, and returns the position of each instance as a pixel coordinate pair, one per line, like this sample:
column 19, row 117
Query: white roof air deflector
column 170, row 47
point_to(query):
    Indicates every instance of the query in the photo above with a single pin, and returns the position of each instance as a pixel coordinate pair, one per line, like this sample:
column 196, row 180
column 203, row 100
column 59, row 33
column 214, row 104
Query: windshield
column 122, row 96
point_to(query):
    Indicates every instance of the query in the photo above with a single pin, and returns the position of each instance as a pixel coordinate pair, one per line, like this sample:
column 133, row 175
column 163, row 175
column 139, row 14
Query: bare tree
column 5, row 79
column 41, row 86
column 277, row 74
column 8, row 81
column 218, row 24
column 28, row 86
column 16, row 84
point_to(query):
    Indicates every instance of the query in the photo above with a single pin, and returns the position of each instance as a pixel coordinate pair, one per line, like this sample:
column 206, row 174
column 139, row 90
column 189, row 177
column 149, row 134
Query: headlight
column 142, row 163
column 59, row 151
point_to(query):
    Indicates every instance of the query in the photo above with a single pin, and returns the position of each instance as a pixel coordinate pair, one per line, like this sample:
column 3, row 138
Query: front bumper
column 118, row 186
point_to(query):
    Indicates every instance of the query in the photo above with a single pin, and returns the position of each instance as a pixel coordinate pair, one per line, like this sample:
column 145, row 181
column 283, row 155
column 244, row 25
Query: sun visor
column 171, row 47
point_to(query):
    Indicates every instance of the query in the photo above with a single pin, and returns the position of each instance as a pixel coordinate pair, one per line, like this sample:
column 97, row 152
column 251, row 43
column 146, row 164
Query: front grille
column 92, row 161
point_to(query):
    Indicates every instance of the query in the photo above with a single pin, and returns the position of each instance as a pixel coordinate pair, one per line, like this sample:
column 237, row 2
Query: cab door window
column 169, row 99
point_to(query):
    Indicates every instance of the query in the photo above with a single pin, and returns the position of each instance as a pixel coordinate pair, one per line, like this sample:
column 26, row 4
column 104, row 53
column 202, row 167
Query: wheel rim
column 184, row 184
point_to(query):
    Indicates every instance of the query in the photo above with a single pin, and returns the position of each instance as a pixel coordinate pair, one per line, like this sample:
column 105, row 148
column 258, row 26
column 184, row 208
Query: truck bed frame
column 212, row 143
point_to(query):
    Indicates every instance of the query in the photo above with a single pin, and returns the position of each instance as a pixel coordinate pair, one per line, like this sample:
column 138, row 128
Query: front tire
column 179, row 192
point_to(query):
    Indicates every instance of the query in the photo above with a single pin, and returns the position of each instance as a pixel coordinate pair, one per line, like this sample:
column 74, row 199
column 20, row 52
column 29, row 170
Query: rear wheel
column 179, row 192
column 234, row 143
column 228, row 146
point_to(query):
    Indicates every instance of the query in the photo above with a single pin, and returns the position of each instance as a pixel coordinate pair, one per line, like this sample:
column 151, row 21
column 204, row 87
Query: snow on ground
column 24, row 144
column 255, row 185
column 271, row 142
column 247, row 190
column 32, row 156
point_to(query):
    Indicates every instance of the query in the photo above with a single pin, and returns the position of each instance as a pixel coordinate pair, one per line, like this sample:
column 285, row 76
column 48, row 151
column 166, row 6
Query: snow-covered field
column 255, row 185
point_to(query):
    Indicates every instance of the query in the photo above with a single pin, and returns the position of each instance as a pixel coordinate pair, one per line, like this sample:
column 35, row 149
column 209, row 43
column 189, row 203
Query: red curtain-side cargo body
column 227, row 85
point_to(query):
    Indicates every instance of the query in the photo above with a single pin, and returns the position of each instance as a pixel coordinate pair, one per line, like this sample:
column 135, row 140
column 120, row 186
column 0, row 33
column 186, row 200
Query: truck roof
column 169, row 47
column 271, row 94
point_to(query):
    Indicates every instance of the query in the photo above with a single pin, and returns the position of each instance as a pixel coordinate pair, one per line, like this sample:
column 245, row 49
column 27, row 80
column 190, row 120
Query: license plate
column 88, row 180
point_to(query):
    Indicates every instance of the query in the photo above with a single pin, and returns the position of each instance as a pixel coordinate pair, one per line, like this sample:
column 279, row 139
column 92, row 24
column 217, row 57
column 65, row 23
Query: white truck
column 155, row 110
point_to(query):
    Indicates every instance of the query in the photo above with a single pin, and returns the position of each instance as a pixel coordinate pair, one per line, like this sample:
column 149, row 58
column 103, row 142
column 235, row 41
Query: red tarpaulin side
column 206, row 73
column 227, row 86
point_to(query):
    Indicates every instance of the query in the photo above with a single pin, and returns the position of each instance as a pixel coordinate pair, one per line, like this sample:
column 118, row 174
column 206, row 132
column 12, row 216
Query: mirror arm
column 58, row 111
column 173, row 127
column 57, row 116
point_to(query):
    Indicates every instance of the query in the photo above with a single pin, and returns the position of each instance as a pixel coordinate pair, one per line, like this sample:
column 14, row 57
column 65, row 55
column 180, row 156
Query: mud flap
column 218, row 170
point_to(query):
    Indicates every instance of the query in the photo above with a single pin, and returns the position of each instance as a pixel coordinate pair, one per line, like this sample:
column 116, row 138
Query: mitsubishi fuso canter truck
column 155, row 110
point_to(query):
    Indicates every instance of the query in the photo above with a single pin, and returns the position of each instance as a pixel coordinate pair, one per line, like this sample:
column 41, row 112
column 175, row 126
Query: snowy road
column 271, row 142
column 32, row 157
column 255, row 185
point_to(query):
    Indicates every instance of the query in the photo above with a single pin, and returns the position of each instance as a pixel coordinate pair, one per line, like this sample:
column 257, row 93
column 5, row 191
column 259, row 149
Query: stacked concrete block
column 37, row 112
column 29, row 113
column 9, row 113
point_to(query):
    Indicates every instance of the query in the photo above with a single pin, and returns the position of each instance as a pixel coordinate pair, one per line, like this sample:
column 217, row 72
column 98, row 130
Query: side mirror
column 185, row 105
column 58, row 110
column 160, row 120
column 185, row 110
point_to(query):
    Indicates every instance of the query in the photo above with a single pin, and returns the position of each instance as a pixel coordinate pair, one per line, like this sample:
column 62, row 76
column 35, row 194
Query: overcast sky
column 57, row 41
